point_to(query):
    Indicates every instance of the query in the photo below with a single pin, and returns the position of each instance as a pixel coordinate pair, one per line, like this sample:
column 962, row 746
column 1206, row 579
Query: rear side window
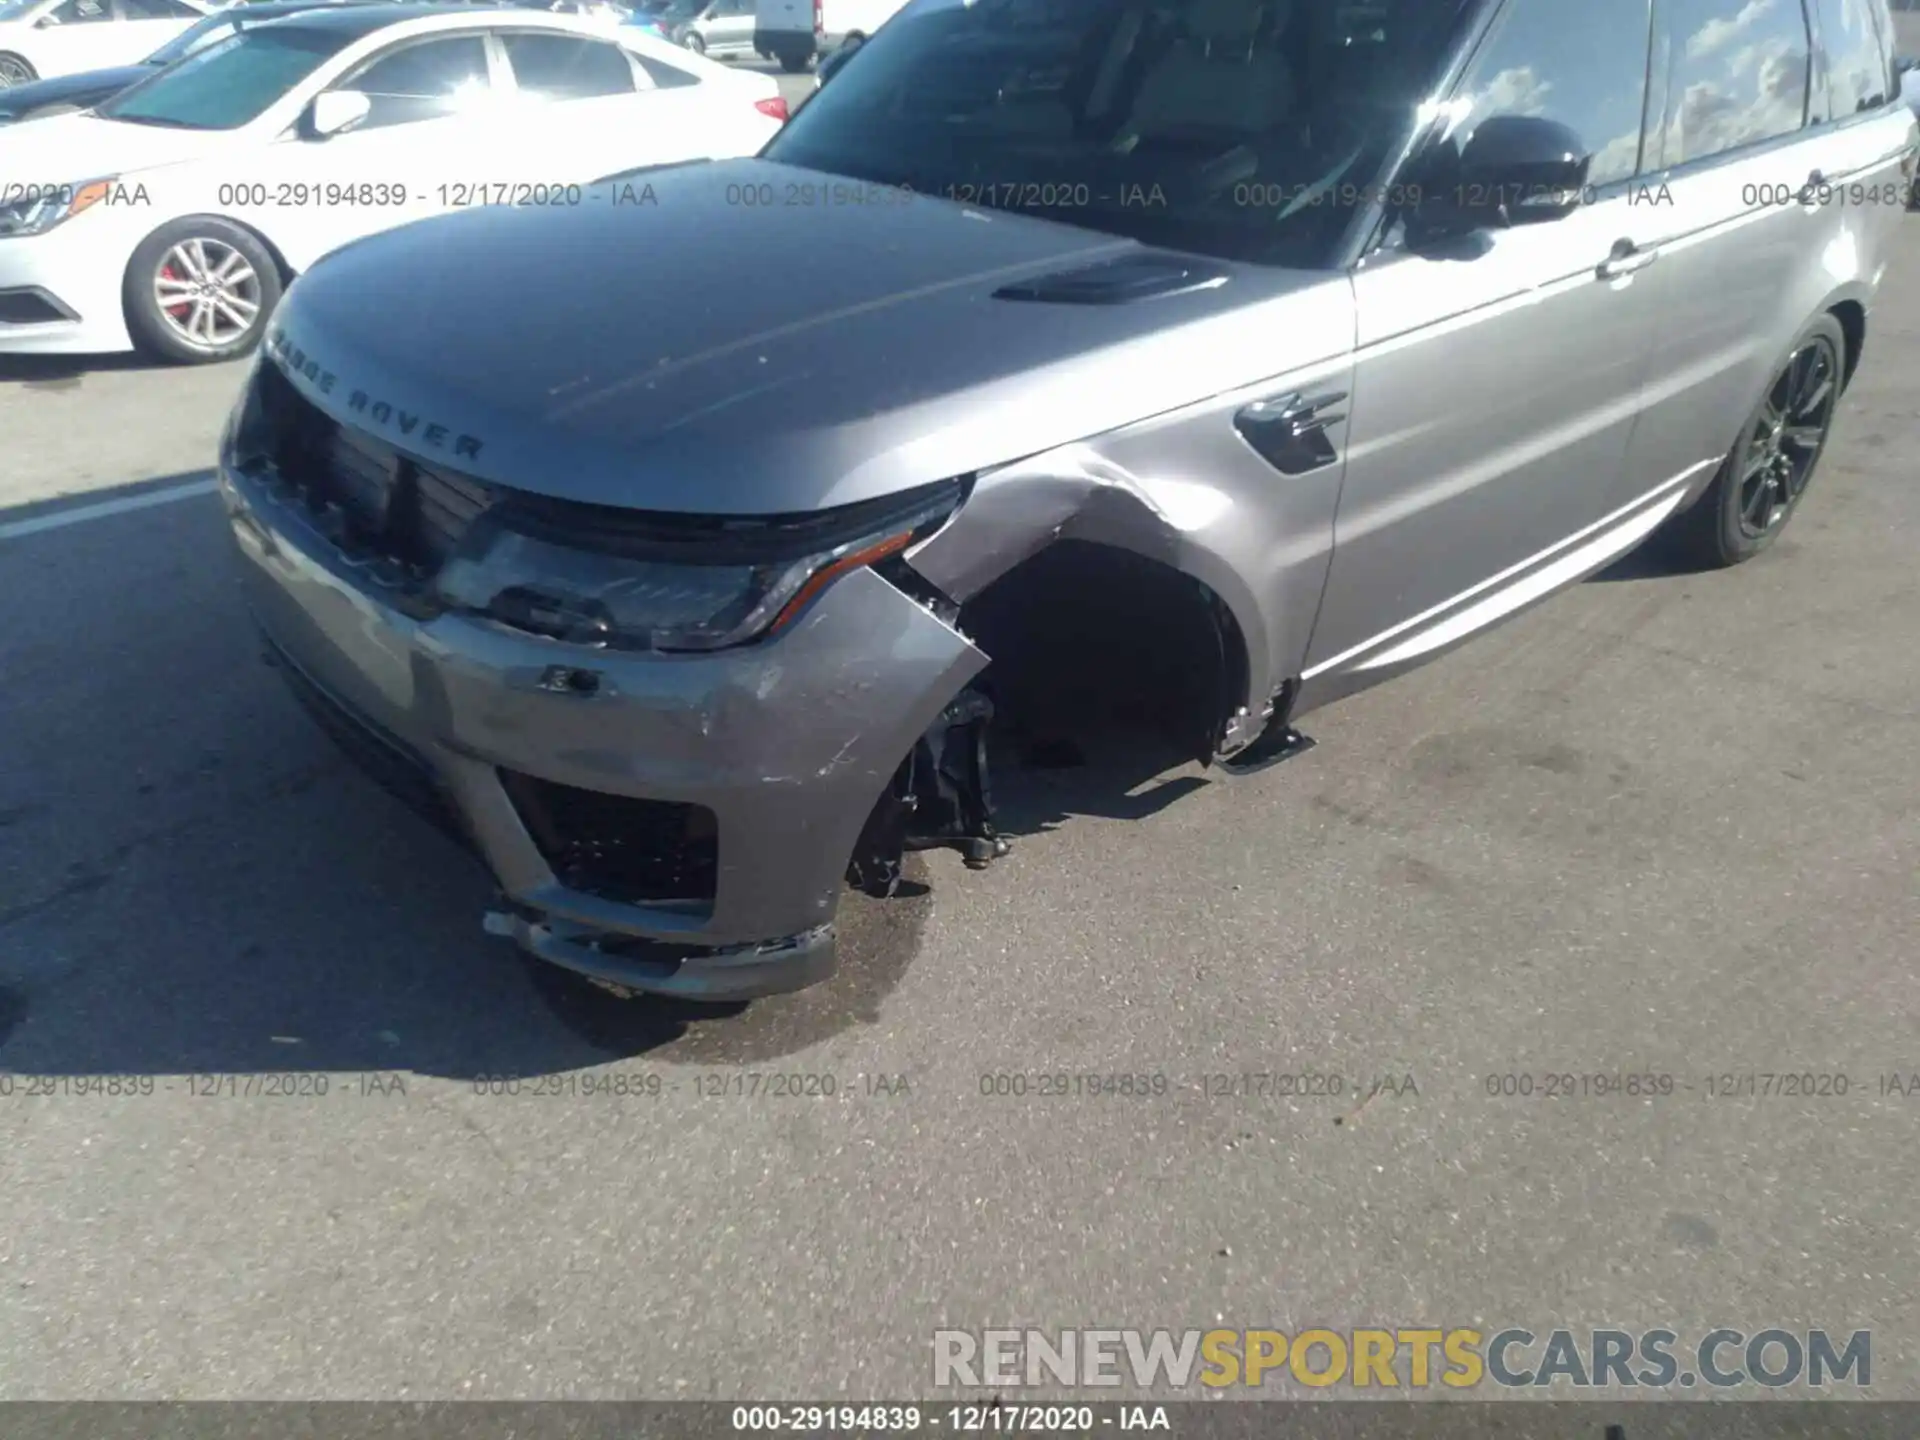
column 157, row 10
column 1858, row 75
column 1737, row 75
column 566, row 67
column 1583, row 65
column 663, row 75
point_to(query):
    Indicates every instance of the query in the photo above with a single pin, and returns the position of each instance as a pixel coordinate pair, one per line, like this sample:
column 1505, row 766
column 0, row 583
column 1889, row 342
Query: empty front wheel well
column 1085, row 636
column 1852, row 316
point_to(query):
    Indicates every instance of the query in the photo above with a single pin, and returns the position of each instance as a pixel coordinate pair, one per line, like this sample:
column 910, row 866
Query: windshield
column 17, row 9
column 230, row 83
column 197, row 38
column 1247, row 129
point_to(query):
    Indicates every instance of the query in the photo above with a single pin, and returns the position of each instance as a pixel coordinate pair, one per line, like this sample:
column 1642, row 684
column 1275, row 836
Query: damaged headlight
column 598, row 575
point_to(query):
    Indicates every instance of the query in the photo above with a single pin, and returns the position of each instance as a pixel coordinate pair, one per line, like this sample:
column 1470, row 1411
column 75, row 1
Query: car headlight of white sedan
column 45, row 206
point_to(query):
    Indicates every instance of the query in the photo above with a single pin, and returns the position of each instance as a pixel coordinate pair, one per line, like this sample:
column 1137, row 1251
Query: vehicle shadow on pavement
column 65, row 372
column 193, row 881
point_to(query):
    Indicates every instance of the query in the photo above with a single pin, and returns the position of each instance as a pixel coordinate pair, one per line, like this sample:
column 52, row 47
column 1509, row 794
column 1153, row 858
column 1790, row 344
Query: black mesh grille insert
column 390, row 504
column 28, row 307
column 639, row 852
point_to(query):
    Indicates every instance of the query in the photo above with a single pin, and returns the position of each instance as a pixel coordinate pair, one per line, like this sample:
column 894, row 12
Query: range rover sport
column 1259, row 348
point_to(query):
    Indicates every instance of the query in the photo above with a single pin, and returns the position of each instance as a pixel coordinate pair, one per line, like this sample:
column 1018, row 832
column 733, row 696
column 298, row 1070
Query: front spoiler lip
column 738, row 972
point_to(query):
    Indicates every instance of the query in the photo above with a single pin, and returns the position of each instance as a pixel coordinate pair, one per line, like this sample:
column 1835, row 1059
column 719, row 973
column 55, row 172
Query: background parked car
column 42, row 38
column 720, row 28
column 245, row 163
column 89, row 87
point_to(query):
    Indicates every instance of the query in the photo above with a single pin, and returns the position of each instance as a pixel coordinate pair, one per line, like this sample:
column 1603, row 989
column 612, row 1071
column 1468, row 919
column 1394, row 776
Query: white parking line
column 101, row 511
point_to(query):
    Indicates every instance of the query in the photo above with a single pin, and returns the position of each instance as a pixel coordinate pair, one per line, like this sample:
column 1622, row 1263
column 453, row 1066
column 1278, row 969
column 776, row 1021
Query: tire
column 692, row 41
column 168, row 258
column 795, row 62
column 1765, row 476
column 14, row 70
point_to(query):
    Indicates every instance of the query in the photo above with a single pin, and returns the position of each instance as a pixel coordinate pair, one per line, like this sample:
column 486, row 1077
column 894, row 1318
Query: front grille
column 385, row 758
column 639, row 852
column 386, row 503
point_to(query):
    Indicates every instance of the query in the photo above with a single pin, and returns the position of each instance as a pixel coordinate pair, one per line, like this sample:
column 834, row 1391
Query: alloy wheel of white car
column 207, row 292
column 15, row 71
column 200, row 290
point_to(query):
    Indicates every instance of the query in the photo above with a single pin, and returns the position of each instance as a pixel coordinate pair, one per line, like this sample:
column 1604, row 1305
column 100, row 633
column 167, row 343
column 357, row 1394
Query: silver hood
column 668, row 347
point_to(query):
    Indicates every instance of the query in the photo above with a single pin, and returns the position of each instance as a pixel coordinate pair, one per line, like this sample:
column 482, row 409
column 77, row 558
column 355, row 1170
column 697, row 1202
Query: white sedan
column 40, row 39
column 170, row 218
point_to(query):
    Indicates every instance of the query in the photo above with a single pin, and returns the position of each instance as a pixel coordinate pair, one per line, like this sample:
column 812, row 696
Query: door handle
column 1626, row 258
column 1812, row 192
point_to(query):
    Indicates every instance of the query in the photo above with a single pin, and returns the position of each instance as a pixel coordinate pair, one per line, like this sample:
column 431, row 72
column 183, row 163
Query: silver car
column 1197, row 361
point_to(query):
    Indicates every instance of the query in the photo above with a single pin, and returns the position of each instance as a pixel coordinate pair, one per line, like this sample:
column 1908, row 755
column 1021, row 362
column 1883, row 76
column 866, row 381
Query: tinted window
column 562, row 67
column 228, row 84
column 156, row 10
column 663, row 75
column 1737, row 74
column 80, row 12
column 424, row 80
column 1245, row 128
column 1857, row 72
column 1582, row 64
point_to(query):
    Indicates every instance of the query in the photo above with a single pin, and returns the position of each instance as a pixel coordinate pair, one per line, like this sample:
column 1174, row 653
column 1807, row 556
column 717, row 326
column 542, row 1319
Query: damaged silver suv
column 682, row 548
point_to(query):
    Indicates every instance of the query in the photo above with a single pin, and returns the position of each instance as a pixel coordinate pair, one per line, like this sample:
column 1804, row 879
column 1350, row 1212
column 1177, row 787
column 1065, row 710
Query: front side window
column 1857, row 71
column 424, row 80
column 80, row 12
column 1249, row 129
column 1738, row 75
column 565, row 67
column 230, row 83
column 1582, row 65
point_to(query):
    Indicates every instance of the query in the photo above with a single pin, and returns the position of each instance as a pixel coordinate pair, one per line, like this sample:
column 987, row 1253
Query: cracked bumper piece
column 735, row 972
column 674, row 824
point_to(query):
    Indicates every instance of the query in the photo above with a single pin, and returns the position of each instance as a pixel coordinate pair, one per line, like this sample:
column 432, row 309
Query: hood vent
column 1119, row 282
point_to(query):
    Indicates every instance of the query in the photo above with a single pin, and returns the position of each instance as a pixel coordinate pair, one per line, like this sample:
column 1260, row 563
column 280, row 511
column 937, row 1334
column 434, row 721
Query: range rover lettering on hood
column 383, row 416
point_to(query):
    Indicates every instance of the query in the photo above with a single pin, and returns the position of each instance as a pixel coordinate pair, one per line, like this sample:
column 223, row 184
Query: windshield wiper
column 154, row 120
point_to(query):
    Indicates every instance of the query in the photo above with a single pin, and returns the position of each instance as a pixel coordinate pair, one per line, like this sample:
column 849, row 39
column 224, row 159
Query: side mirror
column 1516, row 170
column 1905, row 63
column 335, row 112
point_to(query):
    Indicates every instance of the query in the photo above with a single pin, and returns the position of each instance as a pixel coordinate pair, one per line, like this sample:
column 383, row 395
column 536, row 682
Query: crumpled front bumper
column 786, row 746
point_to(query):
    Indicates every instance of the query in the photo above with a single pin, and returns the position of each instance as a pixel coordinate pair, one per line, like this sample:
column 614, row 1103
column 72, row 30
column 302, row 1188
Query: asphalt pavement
column 1664, row 824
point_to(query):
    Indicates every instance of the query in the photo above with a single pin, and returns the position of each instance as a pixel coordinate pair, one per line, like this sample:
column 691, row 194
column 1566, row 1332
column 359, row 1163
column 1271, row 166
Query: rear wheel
column 14, row 70
column 794, row 60
column 1764, row 476
column 199, row 291
column 693, row 42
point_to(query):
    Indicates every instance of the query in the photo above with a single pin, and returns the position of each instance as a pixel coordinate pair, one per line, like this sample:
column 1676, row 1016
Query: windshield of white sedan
column 1250, row 129
column 230, row 83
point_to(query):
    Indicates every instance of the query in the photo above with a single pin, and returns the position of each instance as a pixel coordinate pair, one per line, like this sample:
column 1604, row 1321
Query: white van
column 795, row 31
